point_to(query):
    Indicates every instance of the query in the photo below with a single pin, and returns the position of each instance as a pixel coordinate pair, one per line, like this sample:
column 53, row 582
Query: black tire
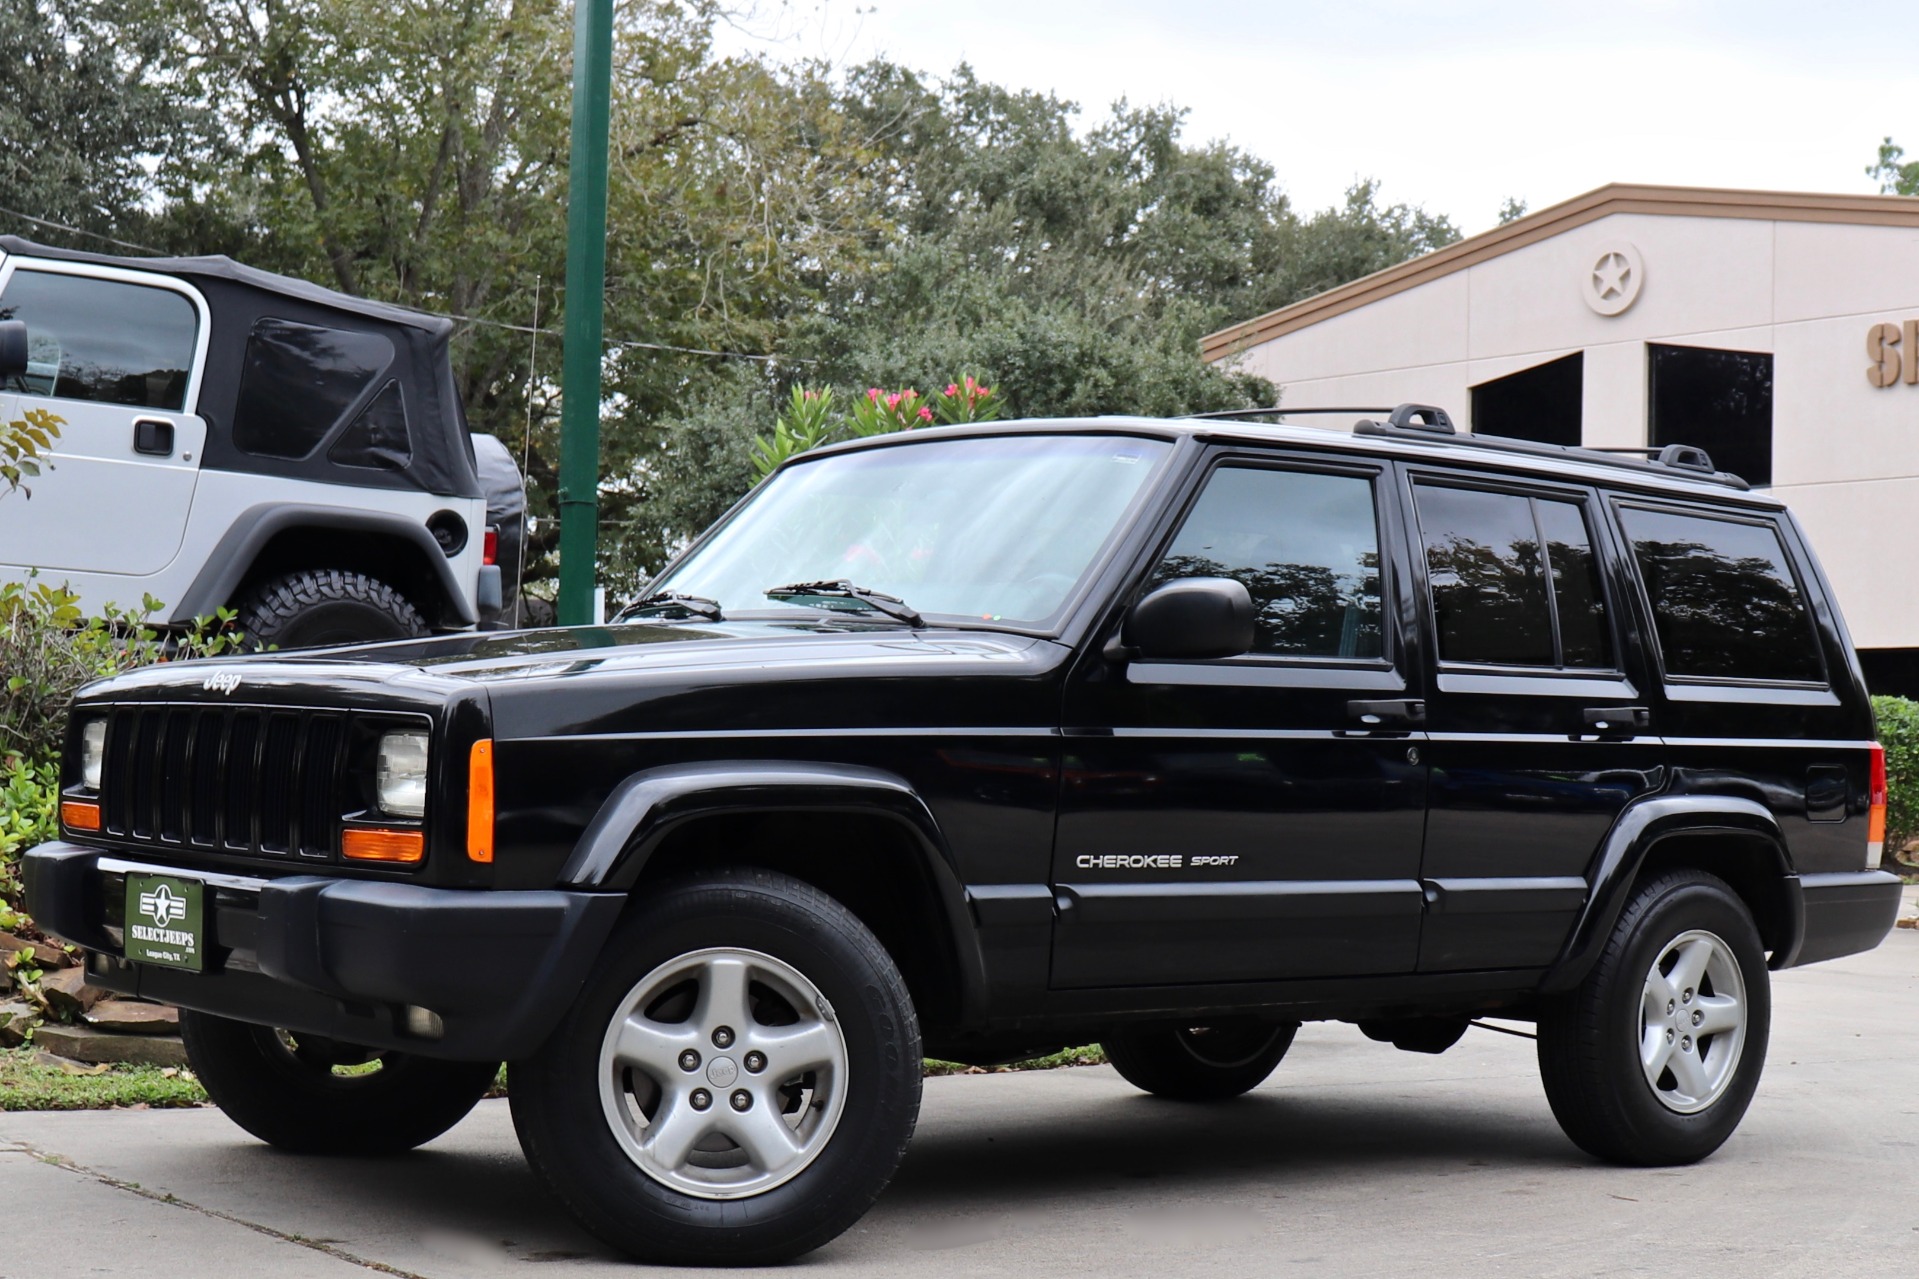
column 579, row 1113
column 314, row 1096
column 1590, row 1040
column 325, row 606
column 1200, row 1063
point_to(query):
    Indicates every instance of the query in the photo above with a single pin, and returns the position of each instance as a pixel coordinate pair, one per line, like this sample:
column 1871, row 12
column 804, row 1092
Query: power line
column 623, row 343
column 74, row 230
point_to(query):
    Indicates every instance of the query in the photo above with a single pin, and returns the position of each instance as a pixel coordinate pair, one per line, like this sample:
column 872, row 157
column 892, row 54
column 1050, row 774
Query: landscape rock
column 16, row 1018
column 44, row 955
column 68, row 991
column 131, row 1018
column 82, row 1043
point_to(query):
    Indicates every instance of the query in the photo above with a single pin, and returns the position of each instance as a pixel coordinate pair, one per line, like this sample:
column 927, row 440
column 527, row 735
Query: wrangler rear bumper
column 347, row 958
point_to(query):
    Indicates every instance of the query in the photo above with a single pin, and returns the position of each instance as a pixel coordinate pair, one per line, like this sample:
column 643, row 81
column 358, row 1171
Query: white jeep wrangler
column 236, row 438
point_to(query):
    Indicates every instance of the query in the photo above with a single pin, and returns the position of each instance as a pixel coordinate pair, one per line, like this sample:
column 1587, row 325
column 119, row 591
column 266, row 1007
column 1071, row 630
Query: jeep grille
column 230, row 779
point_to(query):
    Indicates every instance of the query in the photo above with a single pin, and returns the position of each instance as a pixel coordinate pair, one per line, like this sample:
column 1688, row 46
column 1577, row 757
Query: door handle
column 1401, row 713
column 1622, row 721
column 153, row 436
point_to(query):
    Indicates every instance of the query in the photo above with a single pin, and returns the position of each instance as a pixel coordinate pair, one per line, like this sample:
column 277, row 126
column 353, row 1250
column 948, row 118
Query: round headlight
column 93, row 753
column 401, row 775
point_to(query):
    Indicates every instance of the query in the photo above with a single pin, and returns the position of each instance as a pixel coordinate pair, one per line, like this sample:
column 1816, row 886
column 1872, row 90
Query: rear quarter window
column 1725, row 601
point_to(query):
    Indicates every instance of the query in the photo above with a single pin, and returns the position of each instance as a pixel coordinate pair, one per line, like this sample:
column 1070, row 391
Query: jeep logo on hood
column 222, row 681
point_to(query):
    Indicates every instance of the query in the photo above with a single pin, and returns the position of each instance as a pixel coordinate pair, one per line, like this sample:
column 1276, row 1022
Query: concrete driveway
column 1354, row 1159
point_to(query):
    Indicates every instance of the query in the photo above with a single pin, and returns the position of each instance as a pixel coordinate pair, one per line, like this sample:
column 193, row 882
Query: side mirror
column 13, row 348
column 1193, row 617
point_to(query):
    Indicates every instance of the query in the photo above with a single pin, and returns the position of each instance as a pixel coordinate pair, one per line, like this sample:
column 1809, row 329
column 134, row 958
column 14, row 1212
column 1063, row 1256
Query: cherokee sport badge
column 165, row 921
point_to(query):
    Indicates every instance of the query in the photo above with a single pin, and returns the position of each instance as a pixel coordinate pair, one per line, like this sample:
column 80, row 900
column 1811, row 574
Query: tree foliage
column 770, row 224
column 87, row 111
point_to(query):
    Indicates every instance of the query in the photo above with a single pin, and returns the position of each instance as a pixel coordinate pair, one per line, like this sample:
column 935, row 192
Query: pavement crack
column 62, row 1162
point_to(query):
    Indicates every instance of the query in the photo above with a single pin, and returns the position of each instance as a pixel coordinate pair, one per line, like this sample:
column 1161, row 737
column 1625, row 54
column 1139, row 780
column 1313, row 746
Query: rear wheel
column 735, row 1085
column 1200, row 1063
column 1654, row 1059
column 320, row 1096
column 325, row 606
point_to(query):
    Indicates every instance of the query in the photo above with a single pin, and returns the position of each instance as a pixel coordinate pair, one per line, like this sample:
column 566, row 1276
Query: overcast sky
column 1452, row 105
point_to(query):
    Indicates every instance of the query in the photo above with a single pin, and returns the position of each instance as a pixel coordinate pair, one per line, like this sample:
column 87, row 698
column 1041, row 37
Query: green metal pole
column 585, row 301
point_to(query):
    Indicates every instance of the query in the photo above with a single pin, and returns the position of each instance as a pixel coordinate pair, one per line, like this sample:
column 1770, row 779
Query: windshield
column 996, row 529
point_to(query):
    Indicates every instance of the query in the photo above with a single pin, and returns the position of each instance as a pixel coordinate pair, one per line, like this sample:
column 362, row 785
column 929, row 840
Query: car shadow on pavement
column 1276, row 1137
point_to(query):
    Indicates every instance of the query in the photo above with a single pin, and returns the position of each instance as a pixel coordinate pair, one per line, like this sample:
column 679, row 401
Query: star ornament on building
column 1613, row 278
column 1611, row 275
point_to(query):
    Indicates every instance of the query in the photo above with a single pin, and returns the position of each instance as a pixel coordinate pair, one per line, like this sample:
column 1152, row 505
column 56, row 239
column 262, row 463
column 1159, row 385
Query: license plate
column 166, row 921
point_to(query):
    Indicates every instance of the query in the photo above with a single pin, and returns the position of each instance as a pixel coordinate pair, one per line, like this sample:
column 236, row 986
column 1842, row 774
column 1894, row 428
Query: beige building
column 1778, row 331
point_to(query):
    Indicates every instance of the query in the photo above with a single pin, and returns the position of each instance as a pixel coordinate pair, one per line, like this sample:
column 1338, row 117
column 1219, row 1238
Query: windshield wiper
column 695, row 605
column 807, row 592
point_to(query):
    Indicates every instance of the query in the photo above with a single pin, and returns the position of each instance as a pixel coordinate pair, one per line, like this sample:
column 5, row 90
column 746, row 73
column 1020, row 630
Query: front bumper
column 346, row 958
column 1844, row 914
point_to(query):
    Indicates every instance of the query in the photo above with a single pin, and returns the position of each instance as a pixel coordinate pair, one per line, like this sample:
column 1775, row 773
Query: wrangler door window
column 105, row 341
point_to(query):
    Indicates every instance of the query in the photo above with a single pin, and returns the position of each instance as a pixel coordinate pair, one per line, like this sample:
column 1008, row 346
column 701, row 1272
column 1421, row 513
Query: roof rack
column 1429, row 425
column 1233, row 415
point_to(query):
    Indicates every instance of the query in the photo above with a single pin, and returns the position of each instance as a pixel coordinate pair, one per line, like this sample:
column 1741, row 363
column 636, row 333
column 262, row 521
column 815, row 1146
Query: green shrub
column 1899, row 734
column 48, row 650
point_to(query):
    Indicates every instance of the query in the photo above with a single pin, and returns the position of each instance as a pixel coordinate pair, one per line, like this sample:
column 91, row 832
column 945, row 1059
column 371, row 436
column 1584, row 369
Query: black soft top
column 239, row 297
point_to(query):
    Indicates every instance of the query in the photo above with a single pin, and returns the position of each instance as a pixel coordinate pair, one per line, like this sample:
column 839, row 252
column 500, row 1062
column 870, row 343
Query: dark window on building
column 1496, row 598
column 1720, row 401
column 1541, row 403
column 103, row 340
column 1306, row 546
column 1724, row 600
column 378, row 437
column 299, row 381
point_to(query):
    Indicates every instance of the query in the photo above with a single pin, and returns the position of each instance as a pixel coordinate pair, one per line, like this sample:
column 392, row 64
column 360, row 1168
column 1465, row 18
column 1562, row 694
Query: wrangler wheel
column 1200, row 1063
column 736, row 1084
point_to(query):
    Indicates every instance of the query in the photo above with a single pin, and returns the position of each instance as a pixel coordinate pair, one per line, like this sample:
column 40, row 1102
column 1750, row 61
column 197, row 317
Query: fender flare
column 644, row 809
column 230, row 561
column 1634, row 834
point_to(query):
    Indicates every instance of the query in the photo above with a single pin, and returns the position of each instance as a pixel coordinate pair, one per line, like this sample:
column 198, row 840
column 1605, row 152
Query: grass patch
column 28, row 1084
column 1089, row 1055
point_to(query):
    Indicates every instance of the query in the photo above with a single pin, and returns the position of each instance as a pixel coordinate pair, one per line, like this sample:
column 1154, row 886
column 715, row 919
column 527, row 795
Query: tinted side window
column 298, row 381
column 1305, row 545
column 104, row 340
column 1723, row 597
column 1513, row 579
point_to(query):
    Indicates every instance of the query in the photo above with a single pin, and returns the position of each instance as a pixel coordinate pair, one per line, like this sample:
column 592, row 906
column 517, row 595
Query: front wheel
column 1200, row 1063
column 319, row 1096
column 736, row 1084
column 1655, row 1057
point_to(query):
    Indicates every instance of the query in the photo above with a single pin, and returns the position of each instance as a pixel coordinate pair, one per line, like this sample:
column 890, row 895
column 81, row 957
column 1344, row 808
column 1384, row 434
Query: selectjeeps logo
column 163, row 906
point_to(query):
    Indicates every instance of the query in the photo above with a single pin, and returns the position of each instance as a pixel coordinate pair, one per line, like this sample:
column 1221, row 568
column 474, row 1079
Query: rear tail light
column 490, row 552
column 1876, row 813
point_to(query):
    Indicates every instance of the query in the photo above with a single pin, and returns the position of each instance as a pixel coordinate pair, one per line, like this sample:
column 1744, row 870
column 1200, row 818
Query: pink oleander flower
column 953, row 388
column 893, row 400
column 926, row 414
column 873, row 393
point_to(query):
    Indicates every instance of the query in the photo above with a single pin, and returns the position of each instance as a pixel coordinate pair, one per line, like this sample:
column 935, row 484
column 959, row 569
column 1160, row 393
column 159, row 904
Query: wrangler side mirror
column 1192, row 617
column 13, row 348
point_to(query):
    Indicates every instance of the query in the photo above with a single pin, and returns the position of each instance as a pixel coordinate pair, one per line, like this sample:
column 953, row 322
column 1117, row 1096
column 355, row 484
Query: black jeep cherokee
column 984, row 740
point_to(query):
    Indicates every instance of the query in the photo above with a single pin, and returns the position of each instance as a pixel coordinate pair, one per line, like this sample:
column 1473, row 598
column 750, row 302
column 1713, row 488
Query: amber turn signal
column 479, row 801
column 368, row 844
column 77, row 815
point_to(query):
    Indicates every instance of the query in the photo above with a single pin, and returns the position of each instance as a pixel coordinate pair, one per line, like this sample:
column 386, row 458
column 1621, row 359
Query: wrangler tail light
column 1876, row 813
column 490, row 548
